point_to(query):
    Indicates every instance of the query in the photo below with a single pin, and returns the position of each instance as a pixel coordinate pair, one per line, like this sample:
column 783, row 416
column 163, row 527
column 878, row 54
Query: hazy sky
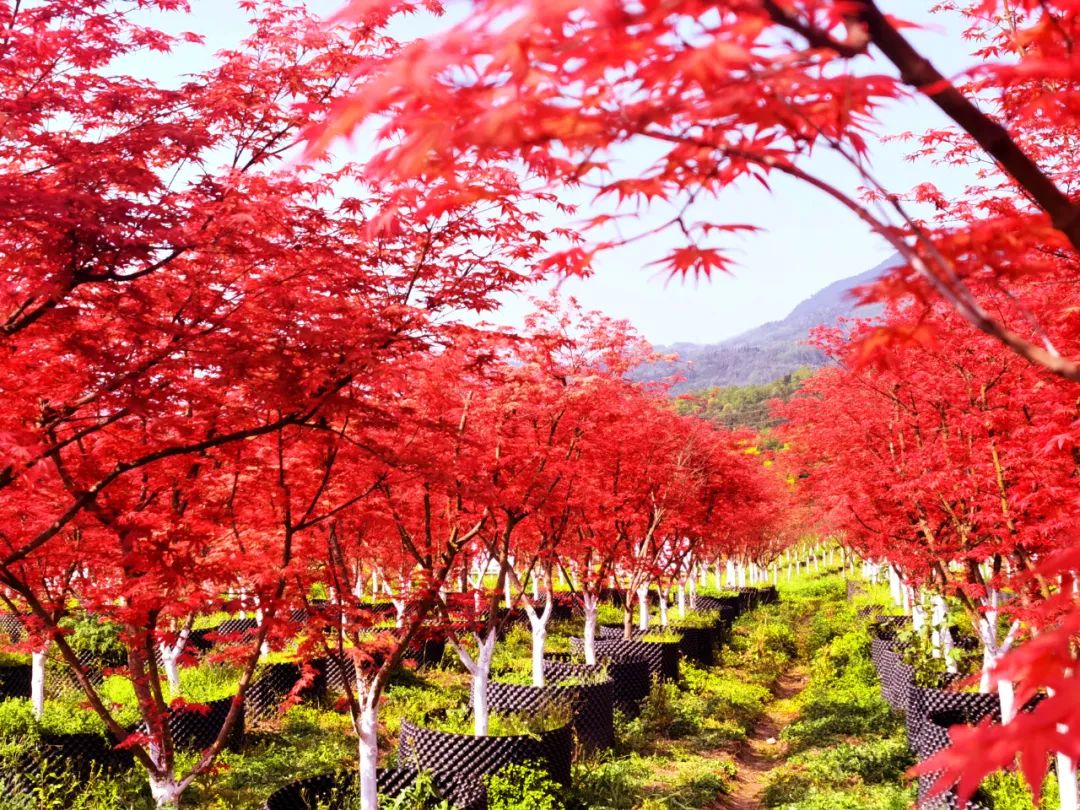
column 808, row 242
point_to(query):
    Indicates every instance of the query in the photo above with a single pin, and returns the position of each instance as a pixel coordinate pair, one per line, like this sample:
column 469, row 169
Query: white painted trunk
column 508, row 593
column 1068, row 796
column 718, row 581
column 643, row 607
column 166, row 792
column 536, row 588
column 1007, row 697
column 732, row 580
column 894, row 586
column 367, row 732
column 480, row 677
column 740, row 575
column 681, row 599
column 399, row 612
column 170, row 660
column 590, row 601
column 663, row 609
column 538, row 624
column 918, row 615
column 37, row 682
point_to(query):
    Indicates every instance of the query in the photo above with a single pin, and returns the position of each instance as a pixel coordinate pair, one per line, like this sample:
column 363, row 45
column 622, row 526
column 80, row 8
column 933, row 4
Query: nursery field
column 783, row 710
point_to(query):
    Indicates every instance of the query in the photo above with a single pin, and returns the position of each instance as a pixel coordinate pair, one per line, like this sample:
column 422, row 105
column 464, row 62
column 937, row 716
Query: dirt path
column 758, row 756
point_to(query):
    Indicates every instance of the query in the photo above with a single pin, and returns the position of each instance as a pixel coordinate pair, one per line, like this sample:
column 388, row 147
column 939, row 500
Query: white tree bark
column 643, row 607
column 481, row 675
column 37, row 681
column 165, row 791
column 367, row 725
column 590, row 601
column 681, row 598
column 538, row 623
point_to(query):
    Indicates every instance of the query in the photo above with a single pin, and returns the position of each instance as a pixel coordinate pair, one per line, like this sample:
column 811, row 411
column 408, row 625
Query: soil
column 757, row 757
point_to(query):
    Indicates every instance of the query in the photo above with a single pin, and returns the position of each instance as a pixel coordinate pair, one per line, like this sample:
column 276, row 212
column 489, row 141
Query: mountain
column 772, row 350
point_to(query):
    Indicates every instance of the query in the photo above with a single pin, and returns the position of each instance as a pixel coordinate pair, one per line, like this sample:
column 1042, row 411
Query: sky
column 807, row 243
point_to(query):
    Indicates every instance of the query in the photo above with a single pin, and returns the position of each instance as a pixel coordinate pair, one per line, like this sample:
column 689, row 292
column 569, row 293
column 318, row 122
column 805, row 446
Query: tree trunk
column 538, row 623
column 170, row 660
column 480, row 677
column 663, row 609
column 37, row 681
column 1068, row 797
column 367, row 732
column 166, row 792
column 643, row 607
column 590, row 601
column 681, row 600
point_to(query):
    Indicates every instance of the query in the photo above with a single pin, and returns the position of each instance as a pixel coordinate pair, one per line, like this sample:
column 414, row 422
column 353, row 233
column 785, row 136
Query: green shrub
column 523, row 787
column 1009, row 791
column 89, row 634
column 609, row 784
column 459, row 720
column 420, row 795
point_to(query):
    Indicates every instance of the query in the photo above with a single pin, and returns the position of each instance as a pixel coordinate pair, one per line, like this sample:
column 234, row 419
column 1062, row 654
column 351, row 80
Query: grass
column 679, row 754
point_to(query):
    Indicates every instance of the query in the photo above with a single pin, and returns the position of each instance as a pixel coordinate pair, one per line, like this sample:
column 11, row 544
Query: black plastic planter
column 15, row 681
column 194, row 729
column 661, row 656
column 331, row 791
column 934, row 711
column 630, row 679
column 728, row 605
column 11, row 626
column 466, row 759
column 697, row 643
column 80, row 755
column 593, row 706
column 277, row 681
column 84, row 753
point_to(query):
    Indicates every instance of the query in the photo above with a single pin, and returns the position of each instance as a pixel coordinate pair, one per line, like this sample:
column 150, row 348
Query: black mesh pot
column 888, row 626
column 193, row 729
column 329, row 791
column 768, row 595
column 728, row 605
column 466, row 759
column 428, row 651
column 15, row 681
column 276, row 683
column 593, row 706
column 630, row 679
column 661, row 656
column 80, row 755
column 697, row 643
column 902, row 681
column 940, row 709
column 11, row 626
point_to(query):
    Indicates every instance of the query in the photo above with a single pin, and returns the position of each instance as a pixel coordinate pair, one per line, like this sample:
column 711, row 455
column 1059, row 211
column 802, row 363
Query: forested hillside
column 772, row 350
column 742, row 405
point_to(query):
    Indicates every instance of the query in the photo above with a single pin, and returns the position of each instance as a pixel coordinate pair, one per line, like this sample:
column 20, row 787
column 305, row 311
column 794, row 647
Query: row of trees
column 966, row 489
column 974, row 450
column 233, row 382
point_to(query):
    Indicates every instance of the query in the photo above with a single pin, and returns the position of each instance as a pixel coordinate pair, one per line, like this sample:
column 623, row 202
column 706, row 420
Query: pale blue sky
column 808, row 242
